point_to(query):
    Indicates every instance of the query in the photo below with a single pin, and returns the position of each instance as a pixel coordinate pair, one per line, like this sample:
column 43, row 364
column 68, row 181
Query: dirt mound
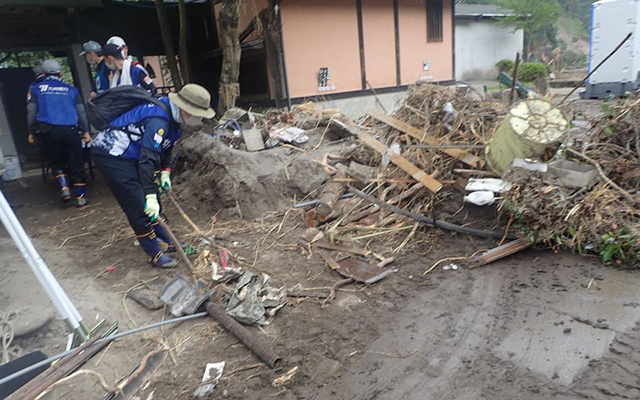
column 247, row 184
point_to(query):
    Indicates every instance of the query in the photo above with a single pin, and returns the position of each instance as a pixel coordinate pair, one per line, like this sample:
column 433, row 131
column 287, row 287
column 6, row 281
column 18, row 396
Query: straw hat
column 193, row 99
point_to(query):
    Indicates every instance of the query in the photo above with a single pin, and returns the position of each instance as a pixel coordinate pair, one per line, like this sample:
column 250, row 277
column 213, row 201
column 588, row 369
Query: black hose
column 431, row 221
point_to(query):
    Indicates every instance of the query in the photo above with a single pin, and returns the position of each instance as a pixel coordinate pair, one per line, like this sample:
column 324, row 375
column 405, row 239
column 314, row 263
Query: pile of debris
column 588, row 197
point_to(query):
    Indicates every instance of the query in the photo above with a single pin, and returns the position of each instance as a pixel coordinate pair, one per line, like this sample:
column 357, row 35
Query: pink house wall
column 379, row 42
column 324, row 33
column 414, row 48
column 321, row 34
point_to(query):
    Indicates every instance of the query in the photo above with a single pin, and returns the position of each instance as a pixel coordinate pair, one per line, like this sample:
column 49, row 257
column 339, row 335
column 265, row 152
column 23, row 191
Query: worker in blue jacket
column 134, row 158
column 56, row 117
column 91, row 51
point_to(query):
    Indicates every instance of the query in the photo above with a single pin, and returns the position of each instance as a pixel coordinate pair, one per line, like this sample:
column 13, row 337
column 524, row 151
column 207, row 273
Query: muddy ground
column 537, row 325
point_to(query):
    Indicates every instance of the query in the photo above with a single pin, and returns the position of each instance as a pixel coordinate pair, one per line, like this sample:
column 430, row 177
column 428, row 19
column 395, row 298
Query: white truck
column 611, row 22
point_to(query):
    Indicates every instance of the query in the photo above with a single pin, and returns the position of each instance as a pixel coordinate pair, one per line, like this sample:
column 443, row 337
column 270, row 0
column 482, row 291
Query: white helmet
column 118, row 41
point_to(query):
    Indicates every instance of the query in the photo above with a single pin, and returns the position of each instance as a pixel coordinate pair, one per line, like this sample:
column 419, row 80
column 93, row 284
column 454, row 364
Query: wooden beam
column 469, row 159
column 396, row 25
column 272, row 58
column 246, row 32
column 404, row 164
column 363, row 69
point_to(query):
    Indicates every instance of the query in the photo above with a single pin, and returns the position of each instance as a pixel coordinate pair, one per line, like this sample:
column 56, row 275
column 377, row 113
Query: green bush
column 531, row 71
column 505, row 65
column 572, row 59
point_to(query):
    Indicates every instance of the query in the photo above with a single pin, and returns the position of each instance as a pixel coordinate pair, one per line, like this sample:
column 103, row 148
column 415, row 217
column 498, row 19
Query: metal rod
column 586, row 78
column 51, row 286
column 106, row 339
column 314, row 202
column 516, row 72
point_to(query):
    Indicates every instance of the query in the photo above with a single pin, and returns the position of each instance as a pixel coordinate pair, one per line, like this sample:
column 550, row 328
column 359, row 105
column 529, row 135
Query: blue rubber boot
column 80, row 189
column 150, row 245
column 166, row 244
column 63, row 184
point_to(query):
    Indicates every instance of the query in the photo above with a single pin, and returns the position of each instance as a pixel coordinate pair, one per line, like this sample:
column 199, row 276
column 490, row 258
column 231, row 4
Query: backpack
column 112, row 103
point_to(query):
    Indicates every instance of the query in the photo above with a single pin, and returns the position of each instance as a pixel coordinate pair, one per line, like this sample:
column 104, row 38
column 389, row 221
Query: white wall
column 481, row 44
column 6, row 140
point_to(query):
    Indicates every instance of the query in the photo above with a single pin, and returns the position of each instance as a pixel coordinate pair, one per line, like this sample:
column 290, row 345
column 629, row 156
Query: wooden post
column 231, row 53
column 363, row 68
column 396, row 27
column 167, row 40
column 515, row 79
column 272, row 57
column 183, row 49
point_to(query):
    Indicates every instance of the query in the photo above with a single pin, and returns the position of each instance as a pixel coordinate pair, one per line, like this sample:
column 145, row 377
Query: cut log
column 467, row 158
column 531, row 128
column 330, row 194
column 433, row 185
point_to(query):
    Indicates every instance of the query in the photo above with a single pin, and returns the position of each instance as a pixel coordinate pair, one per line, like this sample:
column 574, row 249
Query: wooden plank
column 272, row 58
column 501, row 252
column 396, row 34
column 469, row 159
column 404, row 164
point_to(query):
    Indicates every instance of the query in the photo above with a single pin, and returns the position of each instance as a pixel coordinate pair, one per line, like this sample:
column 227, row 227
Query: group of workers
column 133, row 154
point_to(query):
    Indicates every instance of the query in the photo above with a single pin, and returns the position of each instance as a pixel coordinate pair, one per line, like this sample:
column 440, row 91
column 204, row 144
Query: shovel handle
column 175, row 241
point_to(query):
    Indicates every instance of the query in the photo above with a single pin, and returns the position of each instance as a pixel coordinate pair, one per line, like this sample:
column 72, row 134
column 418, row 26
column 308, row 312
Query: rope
column 7, row 351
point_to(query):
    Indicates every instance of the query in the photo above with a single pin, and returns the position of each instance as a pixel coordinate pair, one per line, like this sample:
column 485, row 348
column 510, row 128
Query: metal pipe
column 314, row 202
column 59, row 295
column 106, row 339
column 255, row 343
column 22, row 242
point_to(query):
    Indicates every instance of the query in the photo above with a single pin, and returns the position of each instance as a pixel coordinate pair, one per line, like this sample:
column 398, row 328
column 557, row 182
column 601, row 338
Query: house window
column 434, row 21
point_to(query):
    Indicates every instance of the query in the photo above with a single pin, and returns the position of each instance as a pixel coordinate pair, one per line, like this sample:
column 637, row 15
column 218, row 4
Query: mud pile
column 246, row 184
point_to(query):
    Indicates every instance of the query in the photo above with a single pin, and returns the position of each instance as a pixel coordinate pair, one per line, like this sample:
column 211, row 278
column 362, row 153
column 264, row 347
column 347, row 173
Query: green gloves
column 165, row 180
column 152, row 207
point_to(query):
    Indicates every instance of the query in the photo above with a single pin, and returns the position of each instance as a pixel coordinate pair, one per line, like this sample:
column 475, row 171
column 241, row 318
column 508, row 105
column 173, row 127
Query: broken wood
column 184, row 214
column 331, row 192
column 185, row 67
column 395, row 200
column 467, row 158
column 167, row 41
column 333, row 264
column 475, row 172
column 429, row 221
column 352, row 250
column 64, row 367
column 501, row 252
column 433, row 185
column 229, row 18
column 335, row 287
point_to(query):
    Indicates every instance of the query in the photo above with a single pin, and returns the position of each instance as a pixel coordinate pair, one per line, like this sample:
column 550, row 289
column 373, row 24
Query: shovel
column 184, row 298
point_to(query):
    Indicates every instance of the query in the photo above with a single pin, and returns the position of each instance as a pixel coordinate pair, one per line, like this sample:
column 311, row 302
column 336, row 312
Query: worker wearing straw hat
column 137, row 148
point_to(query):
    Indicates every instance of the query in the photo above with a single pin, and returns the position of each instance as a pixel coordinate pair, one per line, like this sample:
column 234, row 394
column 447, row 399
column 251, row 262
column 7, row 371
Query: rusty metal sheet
column 361, row 271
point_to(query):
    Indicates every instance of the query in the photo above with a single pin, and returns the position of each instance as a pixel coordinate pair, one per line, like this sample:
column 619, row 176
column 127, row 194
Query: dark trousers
column 121, row 175
column 63, row 148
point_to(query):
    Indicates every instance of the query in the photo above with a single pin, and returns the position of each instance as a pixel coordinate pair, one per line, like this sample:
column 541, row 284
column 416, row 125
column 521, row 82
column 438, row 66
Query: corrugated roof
column 481, row 11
